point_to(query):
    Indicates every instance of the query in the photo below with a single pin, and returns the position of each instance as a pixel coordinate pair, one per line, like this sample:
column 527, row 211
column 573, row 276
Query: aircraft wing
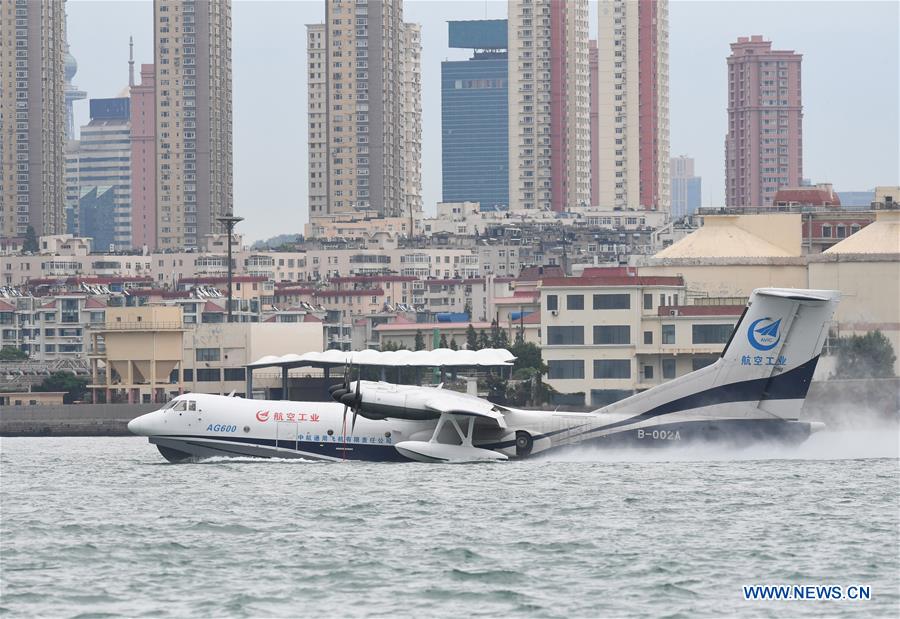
column 454, row 404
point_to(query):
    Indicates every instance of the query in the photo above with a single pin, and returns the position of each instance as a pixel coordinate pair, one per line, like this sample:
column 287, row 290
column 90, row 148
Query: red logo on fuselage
column 262, row 415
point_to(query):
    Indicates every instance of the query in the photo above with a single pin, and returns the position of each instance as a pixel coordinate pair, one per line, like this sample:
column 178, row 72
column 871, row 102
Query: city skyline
column 269, row 54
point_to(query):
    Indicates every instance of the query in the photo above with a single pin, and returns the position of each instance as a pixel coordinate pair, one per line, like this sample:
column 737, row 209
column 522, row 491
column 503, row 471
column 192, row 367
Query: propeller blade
column 353, row 422
column 358, row 398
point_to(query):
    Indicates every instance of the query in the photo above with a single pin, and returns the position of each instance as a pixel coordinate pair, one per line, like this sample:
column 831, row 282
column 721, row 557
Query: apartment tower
column 549, row 109
column 193, row 120
column 32, row 117
column 632, row 149
column 365, row 112
column 764, row 144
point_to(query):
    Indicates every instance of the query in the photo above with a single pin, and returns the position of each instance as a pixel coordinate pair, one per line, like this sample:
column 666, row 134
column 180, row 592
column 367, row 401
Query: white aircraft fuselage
column 754, row 391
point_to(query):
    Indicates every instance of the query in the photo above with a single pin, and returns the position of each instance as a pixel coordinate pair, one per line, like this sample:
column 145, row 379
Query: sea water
column 95, row 526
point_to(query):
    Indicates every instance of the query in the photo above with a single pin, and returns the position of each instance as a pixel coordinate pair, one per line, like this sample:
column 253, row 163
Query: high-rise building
column 102, row 162
column 143, row 159
column 764, row 145
column 685, row 187
column 32, row 117
column 549, row 110
column 474, row 116
column 365, row 114
column 632, row 149
column 193, row 120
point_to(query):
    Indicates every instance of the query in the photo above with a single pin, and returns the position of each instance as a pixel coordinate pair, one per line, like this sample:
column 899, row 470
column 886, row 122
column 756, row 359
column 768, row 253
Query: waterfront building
column 365, row 112
column 193, row 120
column 32, row 117
column 764, row 144
column 474, row 116
column 631, row 149
column 685, row 187
column 549, row 109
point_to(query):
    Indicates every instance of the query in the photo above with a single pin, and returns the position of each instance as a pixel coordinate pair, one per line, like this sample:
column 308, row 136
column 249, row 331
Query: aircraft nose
column 139, row 426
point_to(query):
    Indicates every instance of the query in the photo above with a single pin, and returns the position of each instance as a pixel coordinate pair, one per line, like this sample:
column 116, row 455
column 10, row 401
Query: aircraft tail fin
column 766, row 367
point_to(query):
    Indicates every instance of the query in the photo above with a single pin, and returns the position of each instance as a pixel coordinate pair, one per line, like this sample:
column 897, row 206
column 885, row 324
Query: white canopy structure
column 437, row 358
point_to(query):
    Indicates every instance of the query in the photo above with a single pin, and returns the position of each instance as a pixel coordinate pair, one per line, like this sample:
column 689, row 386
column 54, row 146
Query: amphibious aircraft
column 755, row 390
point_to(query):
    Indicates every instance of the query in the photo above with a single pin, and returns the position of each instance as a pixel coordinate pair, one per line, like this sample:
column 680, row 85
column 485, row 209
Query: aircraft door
column 286, row 435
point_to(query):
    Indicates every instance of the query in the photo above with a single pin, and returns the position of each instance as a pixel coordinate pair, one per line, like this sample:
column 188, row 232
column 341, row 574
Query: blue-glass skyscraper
column 474, row 115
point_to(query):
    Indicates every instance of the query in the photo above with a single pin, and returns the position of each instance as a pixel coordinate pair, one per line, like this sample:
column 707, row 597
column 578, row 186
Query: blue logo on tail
column 765, row 337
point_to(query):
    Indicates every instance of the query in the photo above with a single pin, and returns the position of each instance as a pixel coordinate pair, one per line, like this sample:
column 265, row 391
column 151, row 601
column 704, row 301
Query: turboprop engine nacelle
column 376, row 400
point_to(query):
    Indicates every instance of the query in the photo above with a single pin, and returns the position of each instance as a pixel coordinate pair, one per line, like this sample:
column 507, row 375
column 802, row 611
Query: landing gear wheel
column 524, row 444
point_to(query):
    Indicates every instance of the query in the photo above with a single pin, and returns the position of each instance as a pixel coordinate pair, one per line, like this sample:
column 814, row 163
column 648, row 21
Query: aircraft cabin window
column 181, row 406
column 192, row 406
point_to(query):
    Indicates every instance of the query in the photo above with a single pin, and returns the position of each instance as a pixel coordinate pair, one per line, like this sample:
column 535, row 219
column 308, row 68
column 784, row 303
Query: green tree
column 484, row 341
column 453, row 344
column 443, row 343
column 11, row 353
column 495, row 334
column 74, row 387
column 528, row 355
column 468, row 308
column 471, row 338
column 31, row 242
column 502, row 339
column 420, row 340
column 865, row 356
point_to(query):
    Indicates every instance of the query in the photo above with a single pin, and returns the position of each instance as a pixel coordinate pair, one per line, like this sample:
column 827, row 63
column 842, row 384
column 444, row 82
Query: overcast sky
column 850, row 87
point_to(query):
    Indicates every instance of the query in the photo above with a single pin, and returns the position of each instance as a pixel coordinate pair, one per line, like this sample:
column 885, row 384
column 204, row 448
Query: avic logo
column 765, row 337
column 262, row 415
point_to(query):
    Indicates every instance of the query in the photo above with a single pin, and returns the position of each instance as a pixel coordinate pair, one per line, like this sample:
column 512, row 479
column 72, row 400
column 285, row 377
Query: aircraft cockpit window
column 169, row 404
column 181, row 406
column 192, row 406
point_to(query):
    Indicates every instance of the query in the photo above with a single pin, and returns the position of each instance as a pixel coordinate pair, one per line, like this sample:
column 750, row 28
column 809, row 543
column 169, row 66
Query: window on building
column 701, row 361
column 648, row 301
column 552, row 302
column 207, row 354
column 648, row 337
column 612, row 334
column 668, row 368
column 568, row 368
column 648, row 372
column 235, row 374
column 563, row 336
column 574, row 301
column 612, row 301
column 208, row 374
column 188, row 375
column 826, row 232
column 711, row 334
column 612, row 368
column 668, row 334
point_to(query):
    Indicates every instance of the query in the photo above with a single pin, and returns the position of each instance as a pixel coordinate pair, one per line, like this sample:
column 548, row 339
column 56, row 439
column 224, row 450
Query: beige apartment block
column 632, row 105
column 32, row 117
column 136, row 355
column 606, row 337
column 365, row 113
column 194, row 119
column 549, row 107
